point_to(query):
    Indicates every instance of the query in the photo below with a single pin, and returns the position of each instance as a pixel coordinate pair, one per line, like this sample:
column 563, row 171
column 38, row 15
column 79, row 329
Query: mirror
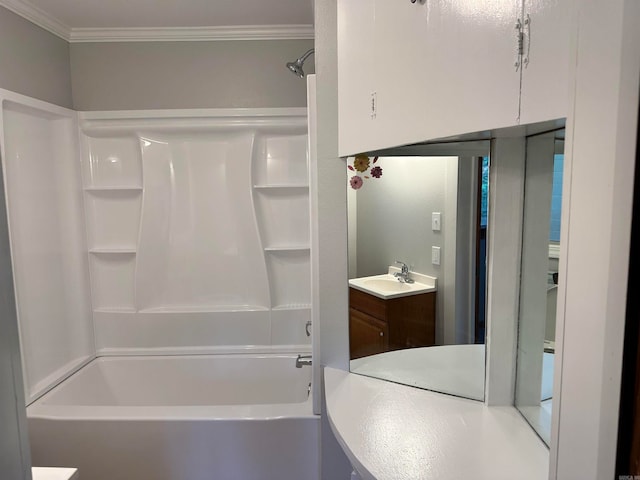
column 539, row 279
column 420, row 322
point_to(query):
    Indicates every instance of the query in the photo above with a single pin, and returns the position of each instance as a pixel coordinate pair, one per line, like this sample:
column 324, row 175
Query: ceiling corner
column 38, row 17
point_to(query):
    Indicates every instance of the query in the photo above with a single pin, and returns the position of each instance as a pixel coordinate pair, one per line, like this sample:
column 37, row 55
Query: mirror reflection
column 417, row 263
column 539, row 279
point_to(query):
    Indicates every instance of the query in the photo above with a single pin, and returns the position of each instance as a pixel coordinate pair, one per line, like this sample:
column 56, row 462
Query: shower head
column 296, row 67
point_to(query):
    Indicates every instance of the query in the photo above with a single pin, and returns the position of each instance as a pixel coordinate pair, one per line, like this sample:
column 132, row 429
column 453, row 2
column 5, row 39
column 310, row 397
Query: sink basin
column 387, row 286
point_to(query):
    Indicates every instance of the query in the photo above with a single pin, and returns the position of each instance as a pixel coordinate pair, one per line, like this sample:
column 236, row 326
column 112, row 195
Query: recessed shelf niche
column 112, row 172
column 113, row 218
column 290, row 278
column 112, row 279
column 281, row 196
column 284, row 217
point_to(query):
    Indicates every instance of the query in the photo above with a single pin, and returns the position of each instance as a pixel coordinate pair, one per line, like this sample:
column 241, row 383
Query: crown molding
column 156, row 34
column 191, row 34
column 38, row 17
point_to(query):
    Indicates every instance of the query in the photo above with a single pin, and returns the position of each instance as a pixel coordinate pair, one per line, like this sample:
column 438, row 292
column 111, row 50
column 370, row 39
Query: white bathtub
column 217, row 417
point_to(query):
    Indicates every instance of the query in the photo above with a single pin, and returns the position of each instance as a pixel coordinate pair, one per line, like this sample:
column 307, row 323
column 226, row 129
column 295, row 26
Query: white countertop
column 54, row 473
column 387, row 286
column 395, row 432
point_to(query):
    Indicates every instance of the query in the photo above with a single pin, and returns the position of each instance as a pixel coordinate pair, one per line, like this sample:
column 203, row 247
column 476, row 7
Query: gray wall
column 394, row 214
column 33, row 61
column 148, row 75
column 164, row 75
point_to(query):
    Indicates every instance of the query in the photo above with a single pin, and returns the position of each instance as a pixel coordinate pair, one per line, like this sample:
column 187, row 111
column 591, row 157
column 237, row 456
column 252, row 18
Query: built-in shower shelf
column 110, row 251
column 299, row 186
column 292, row 307
column 114, row 310
column 205, row 309
column 114, row 188
column 292, row 248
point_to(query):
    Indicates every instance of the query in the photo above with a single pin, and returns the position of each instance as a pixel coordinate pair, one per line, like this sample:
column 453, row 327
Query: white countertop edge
column 390, row 296
column 363, row 410
column 54, row 473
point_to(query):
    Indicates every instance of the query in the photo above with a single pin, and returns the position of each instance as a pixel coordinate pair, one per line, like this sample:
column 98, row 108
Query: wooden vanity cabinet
column 377, row 325
column 367, row 335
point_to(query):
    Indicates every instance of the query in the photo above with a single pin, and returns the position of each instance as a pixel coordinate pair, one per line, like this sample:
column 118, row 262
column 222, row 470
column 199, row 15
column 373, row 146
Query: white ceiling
column 168, row 20
column 175, row 13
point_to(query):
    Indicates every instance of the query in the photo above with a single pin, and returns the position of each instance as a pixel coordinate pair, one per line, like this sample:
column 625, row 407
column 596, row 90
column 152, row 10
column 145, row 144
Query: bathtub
column 209, row 417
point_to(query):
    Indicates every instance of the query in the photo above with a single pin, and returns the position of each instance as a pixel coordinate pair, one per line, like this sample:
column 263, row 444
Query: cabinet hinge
column 526, row 37
column 520, row 44
column 523, row 35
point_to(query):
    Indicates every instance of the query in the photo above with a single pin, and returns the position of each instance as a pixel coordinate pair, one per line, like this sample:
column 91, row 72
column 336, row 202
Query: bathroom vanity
column 387, row 315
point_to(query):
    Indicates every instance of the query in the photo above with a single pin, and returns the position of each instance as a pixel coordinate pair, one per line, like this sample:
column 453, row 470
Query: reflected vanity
column 422, row 325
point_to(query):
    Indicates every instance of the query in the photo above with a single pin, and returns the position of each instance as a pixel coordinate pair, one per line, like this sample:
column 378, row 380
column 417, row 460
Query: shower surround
column 155, row 232
column 178, row 238
column 198, row 231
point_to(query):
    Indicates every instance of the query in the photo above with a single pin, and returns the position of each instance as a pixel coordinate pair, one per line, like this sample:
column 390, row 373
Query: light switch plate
column 435, row 255
column 436, row 221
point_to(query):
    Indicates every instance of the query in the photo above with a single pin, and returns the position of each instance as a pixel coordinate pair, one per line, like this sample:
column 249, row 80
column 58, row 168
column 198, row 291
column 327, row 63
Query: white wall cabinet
column 356, row 74
column 409, row 72
column 546, row 56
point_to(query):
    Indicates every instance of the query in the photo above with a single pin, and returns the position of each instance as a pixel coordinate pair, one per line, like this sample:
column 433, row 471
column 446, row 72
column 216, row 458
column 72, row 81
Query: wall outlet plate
column 435, row 255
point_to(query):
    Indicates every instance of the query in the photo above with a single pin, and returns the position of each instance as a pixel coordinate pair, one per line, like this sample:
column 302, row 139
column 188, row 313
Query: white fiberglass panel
column 282, row 160
column 44, row 194
column 112, row 162
column 199, row 244
column 289, row 326
column 187, row 380
column 178, row 332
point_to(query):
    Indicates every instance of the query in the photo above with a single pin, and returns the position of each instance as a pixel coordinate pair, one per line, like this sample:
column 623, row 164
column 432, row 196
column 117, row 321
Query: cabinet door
column 367, row 335
column 444, row 68
column 472, row 48
column 356, row 121
column 545, row 76
column 401, row 72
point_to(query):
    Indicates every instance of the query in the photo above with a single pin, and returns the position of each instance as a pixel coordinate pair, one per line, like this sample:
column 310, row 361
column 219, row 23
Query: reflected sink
column 387, row 286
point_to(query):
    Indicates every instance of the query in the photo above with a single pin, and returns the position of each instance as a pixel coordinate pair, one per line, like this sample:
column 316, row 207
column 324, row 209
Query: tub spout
column 303, row 360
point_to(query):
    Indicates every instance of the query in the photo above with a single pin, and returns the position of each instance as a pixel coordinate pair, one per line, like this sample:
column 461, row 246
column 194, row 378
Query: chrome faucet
column 303, row 360
column 403, row 274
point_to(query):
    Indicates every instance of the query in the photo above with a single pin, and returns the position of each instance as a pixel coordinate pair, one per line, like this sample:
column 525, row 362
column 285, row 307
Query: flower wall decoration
column 364, row 168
